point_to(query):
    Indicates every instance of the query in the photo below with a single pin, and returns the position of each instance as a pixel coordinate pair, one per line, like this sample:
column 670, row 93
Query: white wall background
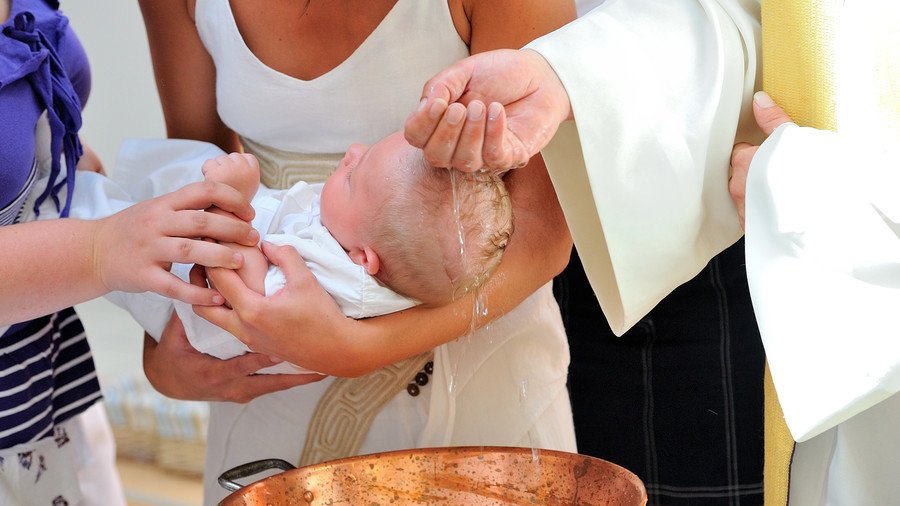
column 123, row 104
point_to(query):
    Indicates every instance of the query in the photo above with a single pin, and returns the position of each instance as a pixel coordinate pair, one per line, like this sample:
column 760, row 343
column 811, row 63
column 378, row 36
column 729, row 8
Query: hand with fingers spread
column 491, row 110
column 769, row 117
column 129, row 251
column 176, row 369
column 135, row 248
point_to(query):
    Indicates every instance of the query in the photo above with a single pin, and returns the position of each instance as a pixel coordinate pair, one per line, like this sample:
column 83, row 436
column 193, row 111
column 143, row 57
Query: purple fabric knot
column 53, row 88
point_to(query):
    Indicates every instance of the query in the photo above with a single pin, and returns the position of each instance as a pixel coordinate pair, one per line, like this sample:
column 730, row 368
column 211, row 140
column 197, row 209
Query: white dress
column 510, row 379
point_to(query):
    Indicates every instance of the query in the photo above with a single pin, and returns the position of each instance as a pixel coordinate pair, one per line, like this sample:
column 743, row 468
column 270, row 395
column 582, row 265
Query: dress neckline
column 355, row 55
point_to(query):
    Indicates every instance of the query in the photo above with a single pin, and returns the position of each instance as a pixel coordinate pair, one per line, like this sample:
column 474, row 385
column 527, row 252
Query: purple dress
column 47, row 373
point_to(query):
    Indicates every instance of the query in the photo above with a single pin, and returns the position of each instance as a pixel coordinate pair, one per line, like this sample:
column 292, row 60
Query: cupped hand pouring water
column 526, row 104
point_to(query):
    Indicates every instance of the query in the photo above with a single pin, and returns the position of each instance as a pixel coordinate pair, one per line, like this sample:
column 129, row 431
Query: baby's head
column 396, row 216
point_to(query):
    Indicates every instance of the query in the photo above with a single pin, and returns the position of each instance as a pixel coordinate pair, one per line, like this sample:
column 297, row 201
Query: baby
column 383, row 233
column 395, row 217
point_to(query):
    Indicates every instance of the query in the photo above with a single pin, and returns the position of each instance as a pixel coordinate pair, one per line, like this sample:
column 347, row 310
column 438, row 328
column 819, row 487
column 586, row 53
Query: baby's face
column 362, row 182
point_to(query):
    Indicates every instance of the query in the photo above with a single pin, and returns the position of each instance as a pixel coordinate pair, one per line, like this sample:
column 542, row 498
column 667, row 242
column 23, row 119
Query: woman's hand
column 57, row 263
column 177, row 370
column 527, row 102
column 300, row 323
column 133, row 250
column 769, row 117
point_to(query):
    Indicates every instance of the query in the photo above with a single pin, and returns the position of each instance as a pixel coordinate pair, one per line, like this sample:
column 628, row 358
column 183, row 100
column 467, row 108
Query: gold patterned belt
column 280, row 169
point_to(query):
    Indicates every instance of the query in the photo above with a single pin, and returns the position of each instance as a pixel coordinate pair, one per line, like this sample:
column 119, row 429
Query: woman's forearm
column 48, row 265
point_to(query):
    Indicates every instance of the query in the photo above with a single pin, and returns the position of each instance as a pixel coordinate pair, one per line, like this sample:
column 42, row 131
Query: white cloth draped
column 659, row 89
column 823, row 261
column 823, row 256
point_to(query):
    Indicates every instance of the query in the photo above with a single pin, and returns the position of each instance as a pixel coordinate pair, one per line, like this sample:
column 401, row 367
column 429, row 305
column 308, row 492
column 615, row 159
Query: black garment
column 678, row 399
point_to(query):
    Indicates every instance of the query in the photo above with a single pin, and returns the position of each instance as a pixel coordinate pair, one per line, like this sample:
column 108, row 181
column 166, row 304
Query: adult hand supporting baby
column 301, row 317
column 177, row 370
column 527, row 102
column 769, row 117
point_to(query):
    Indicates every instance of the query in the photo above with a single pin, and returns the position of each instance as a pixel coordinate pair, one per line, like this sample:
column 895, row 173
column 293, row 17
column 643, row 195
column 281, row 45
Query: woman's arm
column 49, row 265
column 185, row 74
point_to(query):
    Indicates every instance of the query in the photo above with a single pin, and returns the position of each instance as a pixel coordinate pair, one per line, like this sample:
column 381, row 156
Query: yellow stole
column 801, row 59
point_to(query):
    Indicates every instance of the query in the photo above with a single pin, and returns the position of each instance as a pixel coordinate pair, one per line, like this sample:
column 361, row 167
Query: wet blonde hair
column 431, row 249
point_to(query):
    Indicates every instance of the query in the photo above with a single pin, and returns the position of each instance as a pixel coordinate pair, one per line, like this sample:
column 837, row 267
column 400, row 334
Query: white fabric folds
column 658, row 89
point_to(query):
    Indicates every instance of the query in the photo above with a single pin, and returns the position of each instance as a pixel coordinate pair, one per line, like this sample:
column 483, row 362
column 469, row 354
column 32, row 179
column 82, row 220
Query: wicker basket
column 129, row 407
column 149, row 427
column 181, row 436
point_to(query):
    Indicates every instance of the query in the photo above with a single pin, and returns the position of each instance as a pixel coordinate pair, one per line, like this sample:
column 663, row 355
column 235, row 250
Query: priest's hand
column 769, row 117
column 491, row 110
column 177, row 370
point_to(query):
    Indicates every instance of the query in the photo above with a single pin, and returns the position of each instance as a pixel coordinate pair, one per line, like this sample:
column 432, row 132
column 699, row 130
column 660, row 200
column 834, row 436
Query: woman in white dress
column 294, row 83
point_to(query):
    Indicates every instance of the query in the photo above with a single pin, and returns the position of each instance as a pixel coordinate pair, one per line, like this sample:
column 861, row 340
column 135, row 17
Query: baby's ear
column 367, row 258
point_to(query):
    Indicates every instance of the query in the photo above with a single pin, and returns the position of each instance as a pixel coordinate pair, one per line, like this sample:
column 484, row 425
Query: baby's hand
column 238, row 170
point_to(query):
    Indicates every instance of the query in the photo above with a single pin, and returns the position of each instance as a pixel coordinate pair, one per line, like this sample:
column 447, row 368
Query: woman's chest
column 328, row 30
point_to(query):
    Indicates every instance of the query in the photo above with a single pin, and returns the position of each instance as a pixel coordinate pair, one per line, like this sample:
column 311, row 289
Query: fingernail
column 237, row 258
column 218, row 299
column 475, row 111
column 494, row 111
column 422, row 104
column 253, row 236
column 456, row 113
column 763, row 99
column 437, row 108
column 275, row 360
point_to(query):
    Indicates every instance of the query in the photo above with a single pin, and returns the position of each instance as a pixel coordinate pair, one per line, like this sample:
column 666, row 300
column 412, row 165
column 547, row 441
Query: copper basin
column 447, row 476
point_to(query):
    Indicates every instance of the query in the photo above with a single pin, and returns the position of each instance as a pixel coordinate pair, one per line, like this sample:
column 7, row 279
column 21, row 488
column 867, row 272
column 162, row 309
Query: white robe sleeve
column 823, row 260
column 658, row 89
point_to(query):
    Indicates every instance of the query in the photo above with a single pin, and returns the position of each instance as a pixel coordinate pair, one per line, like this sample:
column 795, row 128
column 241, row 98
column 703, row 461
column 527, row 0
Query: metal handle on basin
column 226, row 480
